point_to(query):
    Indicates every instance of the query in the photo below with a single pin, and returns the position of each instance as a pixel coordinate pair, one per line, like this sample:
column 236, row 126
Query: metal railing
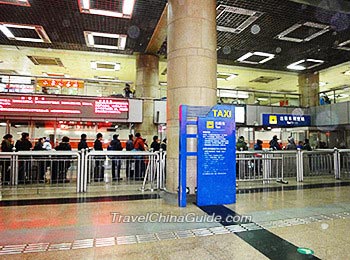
column 277, row 165
column 147, row 169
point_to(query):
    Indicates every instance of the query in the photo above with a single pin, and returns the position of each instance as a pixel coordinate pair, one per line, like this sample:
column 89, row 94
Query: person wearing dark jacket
column 129, row 162
column 6, row 146
column 23, row 144
column 115, row 145
column 99, row 169
column 258, row 162
column 163, row 145
column 155, row 145
column 274, row 143
column 83, row 144
column 59, row 172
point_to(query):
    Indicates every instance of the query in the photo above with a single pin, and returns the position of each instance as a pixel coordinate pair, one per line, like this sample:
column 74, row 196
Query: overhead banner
column 286, row 120
column 216, row 161
column 62, row 106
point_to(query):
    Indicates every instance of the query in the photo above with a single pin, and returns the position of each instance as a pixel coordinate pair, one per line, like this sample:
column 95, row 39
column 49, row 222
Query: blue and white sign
column 216, row 161
column 286, row 120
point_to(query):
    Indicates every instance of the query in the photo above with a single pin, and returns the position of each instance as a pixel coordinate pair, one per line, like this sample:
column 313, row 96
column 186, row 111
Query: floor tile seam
column 120, row 240
column 67, row 201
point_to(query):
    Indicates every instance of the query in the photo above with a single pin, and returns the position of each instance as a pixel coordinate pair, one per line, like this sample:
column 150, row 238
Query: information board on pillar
column 216, row 176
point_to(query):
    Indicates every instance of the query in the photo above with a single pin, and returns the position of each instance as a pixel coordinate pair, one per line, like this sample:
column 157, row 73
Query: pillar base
column 171, row 198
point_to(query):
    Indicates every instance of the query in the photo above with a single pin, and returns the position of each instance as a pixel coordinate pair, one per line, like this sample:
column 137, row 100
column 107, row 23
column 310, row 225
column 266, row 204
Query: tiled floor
column 315, row 218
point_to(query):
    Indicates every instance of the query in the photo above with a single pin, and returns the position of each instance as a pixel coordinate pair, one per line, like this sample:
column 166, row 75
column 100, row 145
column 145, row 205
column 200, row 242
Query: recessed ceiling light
column 347, row 72
column 344, row 46
column 267, row 56
column 120, row 40
column 225, row 11
column 103, row 65
column 303, row 64
column 322, row 84
column 6, row 29
column 87, row 6
column 15, row 2
column 283, row 35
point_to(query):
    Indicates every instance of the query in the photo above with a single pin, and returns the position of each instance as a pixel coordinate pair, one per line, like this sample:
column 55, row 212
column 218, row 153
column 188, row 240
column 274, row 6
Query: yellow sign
column 210, row 124
column 222, row 113
column 273, row 120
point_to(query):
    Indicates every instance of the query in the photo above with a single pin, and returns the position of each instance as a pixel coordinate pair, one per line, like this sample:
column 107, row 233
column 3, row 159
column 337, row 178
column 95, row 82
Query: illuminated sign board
column 72, row 107
column 286, row 120
column 64, row 83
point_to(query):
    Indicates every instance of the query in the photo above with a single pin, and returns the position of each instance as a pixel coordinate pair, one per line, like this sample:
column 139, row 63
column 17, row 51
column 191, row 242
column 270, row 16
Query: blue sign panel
column 286, row 120
column 216, row 161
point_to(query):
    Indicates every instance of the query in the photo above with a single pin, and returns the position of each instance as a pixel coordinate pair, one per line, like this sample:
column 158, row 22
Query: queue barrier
column 267, row 165
column 78, row 169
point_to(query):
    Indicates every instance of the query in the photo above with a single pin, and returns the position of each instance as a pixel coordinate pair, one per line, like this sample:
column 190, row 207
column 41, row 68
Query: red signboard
column 61, row 106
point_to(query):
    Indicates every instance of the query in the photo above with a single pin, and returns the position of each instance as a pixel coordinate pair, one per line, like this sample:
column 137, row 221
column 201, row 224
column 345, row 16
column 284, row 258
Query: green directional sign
column 305, row 251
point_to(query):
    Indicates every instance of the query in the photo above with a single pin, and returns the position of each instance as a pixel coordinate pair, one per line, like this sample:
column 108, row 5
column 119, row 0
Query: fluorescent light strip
column 85, row 4
column 6, row 31
column 257, row 53
column 296, row 66
column 253, row 16
column 343, row 46
column 128, row 7
column 38, row 29
column 323, row 29
column 90, row 42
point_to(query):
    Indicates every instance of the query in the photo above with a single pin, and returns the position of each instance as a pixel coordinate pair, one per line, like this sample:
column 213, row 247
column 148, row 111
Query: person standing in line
column 291, row 144
column 47, row 145
column 241, row 144
column 41, row 162
column 23, row 144
column 60, row 172
column 258, row 162
column 83, row 144
column 163, row 145
column 307, row 145
column 274, row 143
column 139, row 145
column 300, row 145
column 98, row 170
column 6, row 146
column 155, row 145
column 130, row 164
column 115, row 145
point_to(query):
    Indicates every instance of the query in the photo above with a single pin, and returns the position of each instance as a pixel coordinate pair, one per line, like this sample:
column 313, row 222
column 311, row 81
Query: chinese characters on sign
column 286, row 120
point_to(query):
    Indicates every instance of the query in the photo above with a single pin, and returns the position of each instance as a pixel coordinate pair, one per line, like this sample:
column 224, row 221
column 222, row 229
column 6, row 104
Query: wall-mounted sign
column 72, row 107
column 64, row 83
column 286, row 120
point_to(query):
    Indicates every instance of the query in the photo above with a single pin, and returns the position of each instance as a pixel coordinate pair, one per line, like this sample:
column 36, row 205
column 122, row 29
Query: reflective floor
column 267, row 221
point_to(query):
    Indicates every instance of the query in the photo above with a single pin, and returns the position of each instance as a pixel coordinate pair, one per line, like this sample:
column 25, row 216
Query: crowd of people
column 59, row 168
column 276, row 144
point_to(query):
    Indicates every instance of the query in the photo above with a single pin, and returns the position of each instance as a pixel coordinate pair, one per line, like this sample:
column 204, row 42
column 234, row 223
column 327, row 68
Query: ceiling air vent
column 46, row 61
column 225, row 76
column 264, row 79
column 8, row 72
